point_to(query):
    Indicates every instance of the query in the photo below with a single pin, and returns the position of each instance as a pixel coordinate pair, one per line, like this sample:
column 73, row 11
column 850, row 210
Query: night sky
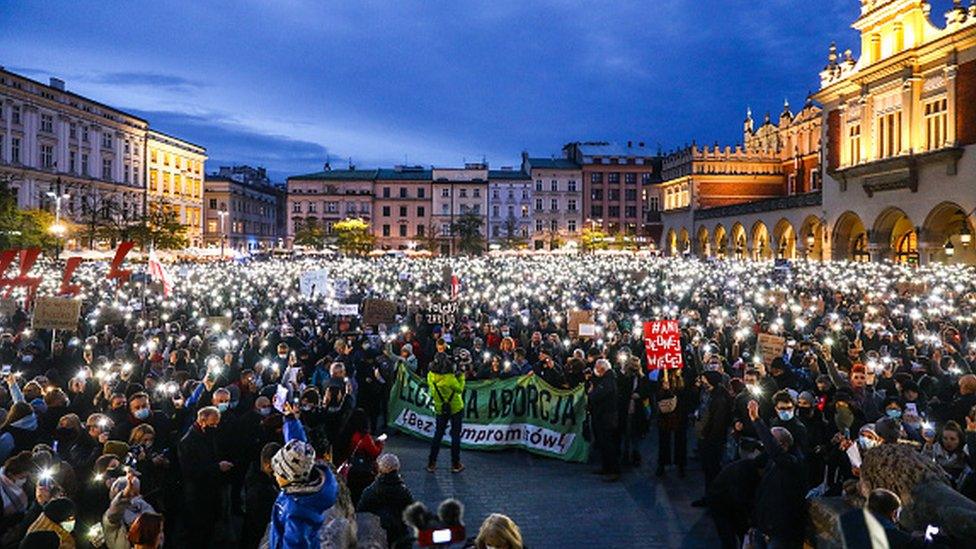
column 288, row 83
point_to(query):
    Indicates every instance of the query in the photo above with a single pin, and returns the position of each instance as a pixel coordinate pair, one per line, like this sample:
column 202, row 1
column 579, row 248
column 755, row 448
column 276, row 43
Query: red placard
column 662, row 341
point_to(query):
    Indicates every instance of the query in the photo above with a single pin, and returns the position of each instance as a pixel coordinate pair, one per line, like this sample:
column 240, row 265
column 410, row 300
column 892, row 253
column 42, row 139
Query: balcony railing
column 767, row 205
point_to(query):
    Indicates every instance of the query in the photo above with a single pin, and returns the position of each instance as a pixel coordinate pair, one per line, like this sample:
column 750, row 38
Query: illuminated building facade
column 176, row 169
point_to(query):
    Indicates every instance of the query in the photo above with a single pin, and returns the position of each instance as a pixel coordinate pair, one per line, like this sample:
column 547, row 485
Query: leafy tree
column 353, row 236
column 161, row 229
column 554, row 239
column 592, row 239
column 310, row 234
column 23, row 228
column 430, row 241
column 621, row 242
column 512, row 240
column 467, row 230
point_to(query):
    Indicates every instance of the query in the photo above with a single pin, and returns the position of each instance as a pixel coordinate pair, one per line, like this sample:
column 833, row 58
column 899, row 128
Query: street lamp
column 58, row 229
column 811, row 239
column 950, row 250
column 222, row 214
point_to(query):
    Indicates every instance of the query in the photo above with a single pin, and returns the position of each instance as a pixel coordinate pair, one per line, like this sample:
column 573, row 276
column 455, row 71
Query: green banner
column 520, row 412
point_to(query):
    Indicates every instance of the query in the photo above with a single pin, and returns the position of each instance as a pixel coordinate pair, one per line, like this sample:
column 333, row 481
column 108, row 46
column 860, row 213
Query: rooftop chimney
column 57, row 83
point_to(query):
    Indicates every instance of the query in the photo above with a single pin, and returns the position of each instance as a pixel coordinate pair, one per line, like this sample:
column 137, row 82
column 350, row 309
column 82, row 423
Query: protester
column 498, row 532
column 602, row 396
column 447, row 393
column 387, row 497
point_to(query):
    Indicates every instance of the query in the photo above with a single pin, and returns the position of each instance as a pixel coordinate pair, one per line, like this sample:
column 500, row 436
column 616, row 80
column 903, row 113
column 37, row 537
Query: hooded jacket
column 446, row 388
column 299, row 510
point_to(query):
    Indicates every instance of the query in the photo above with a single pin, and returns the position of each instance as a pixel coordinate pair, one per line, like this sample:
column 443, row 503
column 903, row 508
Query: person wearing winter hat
column 53, row 526
column 308, row 490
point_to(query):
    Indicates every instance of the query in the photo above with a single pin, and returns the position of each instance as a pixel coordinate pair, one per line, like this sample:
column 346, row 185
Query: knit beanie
column 294, row 461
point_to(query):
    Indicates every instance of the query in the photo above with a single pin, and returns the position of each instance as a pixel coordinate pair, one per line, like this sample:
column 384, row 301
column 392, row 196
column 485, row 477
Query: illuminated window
column 906, row 250
column 936, row 120
column 889, row 134
column 854, row 144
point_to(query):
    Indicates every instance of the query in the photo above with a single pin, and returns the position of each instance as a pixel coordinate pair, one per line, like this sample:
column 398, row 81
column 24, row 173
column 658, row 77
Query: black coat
column 780, row 498
column 202, row 477
column 386, row 498
column 260, row 492
column 718, row 416
column 604, row 411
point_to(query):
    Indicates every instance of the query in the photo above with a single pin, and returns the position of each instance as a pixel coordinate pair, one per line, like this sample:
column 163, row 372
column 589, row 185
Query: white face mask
column 20, row 482
column 68, row 525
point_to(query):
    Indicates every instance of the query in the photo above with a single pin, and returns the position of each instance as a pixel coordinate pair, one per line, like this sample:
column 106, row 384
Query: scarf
column 14, row 497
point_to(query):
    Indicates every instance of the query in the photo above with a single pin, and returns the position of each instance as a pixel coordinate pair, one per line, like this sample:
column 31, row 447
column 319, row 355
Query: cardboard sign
column 223, row 321
column 911, row 288
column 769, row 346
column 662, row 343
column 379, row 311
column 56, row 313
column 8, row 307
column 575, row 318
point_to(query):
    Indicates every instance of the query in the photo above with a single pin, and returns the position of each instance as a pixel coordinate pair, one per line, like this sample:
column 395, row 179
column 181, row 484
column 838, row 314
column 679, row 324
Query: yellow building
column 176, row 169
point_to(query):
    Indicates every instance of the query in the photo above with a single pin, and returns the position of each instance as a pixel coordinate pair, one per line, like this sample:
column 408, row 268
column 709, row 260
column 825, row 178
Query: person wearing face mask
column 712, row 427
column 780, row 498
column 203, row 477
column 732, row 495
column 13, row 479
column 139, row 413
column 785, row 409
column 53, row 527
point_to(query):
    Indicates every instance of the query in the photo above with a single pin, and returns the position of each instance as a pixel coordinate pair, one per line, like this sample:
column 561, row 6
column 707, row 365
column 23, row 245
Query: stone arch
column 784, row 239
column 947, row 226
column 684, row 241
column 721, row 241
column 811, row 237
column 739, row 241
column 704, row 242
column 671, row 245
column 761, row 248
column 894, row 236
column 850, row 238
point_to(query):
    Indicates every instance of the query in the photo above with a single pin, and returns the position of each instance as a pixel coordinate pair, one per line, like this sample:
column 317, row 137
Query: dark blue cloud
column 228, row 143
column 148, row 79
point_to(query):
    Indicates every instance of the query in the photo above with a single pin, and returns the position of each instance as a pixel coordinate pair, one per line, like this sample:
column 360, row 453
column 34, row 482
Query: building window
column 107, row 140
column 421, row 193
column 596, row 178
column 47, row 156
column 386, row 230
column 403, row 192
column 814, row 179
column 653, row 203
column 571, row 225
column 613, row 177
column 511, row 193
column 47, row 123
column 630, row 194
column 554, row 225
column 645, row 178
column 495, row 231
column 630, row 178
column 386, row 211
column 936, row 121
column 597, row 194
column 295, row 207
column 525, row 211
column 494, row 211
column 213, row 205
column 554, row 185
column 538, row 225
column 445, row 209
column 494, row 194
column 571, row 185
column 525, row 194
column 889, row 134
column 386, row 192
column 72, row 161
column 403, row 211
column 403, row 230
column 553, row 204
column 106, row 168
column 420, row 230
column 538, row 204
column 15, row 115
column 538, row 185
column 854, row 144
column 630, row 211
column 477, row 193
column 15, row 150
column 596, row 211
column 791, row 184
column 421, row 211
column 463, row 193
column 613, row 195
column 332, row 207
column 311, row 207
column 613, row 211
column 84, row 164
column 125, row 172
column 571, row 205
column 72, row 131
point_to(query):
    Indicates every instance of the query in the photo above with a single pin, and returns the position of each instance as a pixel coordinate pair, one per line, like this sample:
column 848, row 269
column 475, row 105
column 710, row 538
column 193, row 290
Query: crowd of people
column 244, row 411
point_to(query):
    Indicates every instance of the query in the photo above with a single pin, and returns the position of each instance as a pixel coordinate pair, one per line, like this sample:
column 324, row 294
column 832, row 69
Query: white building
column 455, row 192
column 510, row 205
column 557, row 201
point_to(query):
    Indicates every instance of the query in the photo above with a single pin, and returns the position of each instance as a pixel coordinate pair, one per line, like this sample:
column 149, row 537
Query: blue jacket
column 297, row 517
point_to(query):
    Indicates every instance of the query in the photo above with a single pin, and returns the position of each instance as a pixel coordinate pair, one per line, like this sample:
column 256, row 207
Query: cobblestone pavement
column 558, row 504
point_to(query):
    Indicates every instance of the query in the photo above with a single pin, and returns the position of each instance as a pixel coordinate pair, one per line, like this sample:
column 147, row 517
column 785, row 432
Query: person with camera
column 446, row 386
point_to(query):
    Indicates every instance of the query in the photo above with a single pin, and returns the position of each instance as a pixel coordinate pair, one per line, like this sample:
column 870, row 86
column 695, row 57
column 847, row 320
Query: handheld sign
column 662, row 342
column 769, row 346
column 56, row 313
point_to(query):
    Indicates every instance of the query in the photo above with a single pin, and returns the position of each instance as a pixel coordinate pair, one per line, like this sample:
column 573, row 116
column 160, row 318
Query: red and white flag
column 157, row 271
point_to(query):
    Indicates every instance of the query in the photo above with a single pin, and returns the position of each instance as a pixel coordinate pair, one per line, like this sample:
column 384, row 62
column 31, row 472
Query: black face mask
column 64, row 434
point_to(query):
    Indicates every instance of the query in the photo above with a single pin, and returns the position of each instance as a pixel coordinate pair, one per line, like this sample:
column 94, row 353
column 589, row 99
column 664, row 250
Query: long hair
column 145, row 529
column 18, row 411
column 499, row 531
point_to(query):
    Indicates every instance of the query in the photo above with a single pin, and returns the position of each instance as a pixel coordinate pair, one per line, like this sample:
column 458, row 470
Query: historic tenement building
column 510, row 208
column 900, row 129
column 326, row 197
column 239, row 213
column 176, row 170
column 402, row 207
column 557, row 201
column 56, row 143
column 884, row 170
